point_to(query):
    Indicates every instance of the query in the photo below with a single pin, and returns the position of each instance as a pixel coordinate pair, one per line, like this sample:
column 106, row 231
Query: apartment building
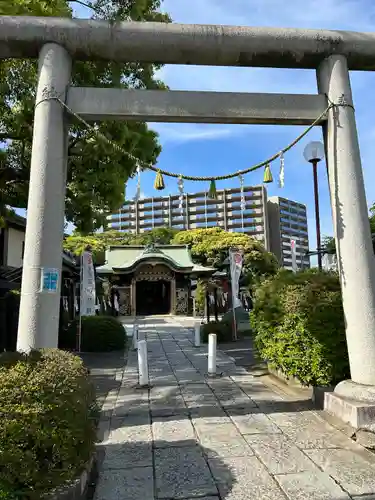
column 198, row 211
column 287, row 222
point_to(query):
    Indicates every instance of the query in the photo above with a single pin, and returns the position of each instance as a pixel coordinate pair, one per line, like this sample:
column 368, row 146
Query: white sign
column 294, row 255
column 235, row 260
column 88, row 295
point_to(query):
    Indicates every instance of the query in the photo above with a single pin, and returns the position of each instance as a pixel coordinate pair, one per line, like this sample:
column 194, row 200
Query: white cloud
column 330, row 14
column 186, row 132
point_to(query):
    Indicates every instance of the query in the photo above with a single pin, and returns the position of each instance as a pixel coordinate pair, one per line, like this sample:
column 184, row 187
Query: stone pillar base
column 354, row 404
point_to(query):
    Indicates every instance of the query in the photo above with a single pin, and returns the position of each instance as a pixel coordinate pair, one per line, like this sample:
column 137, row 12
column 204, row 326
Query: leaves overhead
column 209, row 247
column 96, row 173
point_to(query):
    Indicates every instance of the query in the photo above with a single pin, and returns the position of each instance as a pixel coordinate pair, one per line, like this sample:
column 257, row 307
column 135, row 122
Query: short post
column 197, row 336
column 142, row 363
column 140, row 334
column 135, row 337
column 212, row 341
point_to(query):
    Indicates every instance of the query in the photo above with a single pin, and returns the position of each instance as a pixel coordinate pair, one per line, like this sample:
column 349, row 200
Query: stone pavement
column 229, row 438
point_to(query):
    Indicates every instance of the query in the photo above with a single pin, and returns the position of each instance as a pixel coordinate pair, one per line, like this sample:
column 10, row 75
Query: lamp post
column 314, row 153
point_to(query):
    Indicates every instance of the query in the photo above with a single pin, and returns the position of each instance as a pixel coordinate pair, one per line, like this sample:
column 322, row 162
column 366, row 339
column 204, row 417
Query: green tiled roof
column 126, row 258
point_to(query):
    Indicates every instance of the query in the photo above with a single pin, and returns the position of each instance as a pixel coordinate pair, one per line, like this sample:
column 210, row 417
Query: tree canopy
column 209, row 247
column 98, row 242
column 96, row 172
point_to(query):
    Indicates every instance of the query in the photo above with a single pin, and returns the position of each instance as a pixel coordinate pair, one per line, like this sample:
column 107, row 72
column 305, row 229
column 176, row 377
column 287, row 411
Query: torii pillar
column 40, row 301
column 353, row 401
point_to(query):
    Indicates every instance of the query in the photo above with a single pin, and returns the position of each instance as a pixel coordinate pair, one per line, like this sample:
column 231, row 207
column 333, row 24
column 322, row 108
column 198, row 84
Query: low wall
column 317, row 392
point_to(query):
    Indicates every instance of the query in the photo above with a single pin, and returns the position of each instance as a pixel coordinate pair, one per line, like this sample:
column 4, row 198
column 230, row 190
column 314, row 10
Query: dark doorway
column 153, row 297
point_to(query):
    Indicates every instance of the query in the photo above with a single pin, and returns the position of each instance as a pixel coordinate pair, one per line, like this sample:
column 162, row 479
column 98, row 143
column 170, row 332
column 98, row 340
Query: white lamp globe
column 314, row 152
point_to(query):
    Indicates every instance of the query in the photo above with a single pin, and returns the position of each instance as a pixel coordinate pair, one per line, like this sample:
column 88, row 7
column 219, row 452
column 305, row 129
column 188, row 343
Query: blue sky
column 218, row 149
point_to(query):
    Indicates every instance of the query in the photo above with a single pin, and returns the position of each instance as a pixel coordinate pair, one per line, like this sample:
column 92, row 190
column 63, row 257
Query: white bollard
column 140, row 334
column 135, row 337
column 212, row 354
column 197, row 336
column 142, row 363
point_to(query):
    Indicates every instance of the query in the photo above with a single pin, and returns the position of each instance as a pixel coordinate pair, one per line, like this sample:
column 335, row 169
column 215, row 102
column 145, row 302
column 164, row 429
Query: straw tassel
column 159, row 181
column 212, row 191
column 267, row 178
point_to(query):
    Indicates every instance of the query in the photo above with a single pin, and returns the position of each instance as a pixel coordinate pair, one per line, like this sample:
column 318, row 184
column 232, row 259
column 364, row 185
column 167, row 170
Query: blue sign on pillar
column 50, row 280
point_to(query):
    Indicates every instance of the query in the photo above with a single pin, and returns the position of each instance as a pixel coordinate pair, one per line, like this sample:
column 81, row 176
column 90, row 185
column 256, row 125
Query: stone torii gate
column 331, row 53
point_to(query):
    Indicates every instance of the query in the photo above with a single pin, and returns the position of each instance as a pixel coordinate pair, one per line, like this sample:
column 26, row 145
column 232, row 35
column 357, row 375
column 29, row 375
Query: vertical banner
column 88, row 295
column 235, row 260
column 294, row 255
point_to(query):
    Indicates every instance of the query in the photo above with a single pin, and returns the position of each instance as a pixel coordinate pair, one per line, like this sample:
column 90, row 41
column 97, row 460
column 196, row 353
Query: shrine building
column 153, row 279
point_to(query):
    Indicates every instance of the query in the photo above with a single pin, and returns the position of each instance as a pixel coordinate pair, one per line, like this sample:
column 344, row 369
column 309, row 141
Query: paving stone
column 211, row 419
column 311, row 486
column 169, row 406
column 182, row 473
column 205, row 498
column 278, row 454
column 127, row 484
column 198, row 395
column 123, row 456
column 244, row 403
column 308, row 431
column 222, row 440
column 172, row 431
column 130, row 421
column 130, row 430
column 158, row 381
column 244, row 478
column 128, row 447
column 122, row 410
column 253, row 422
column 353, row 472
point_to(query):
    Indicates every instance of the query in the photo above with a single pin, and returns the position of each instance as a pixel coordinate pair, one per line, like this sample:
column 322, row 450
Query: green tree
column 329, row 244
column 159, row 236
column 372, row 219
column 210, row 247
column 96, row 172
column 98, row 242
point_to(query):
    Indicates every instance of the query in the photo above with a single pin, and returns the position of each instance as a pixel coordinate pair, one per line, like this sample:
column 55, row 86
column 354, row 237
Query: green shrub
column 222, row 329
column 299, row 324
column 99, row 334
column 47, row 424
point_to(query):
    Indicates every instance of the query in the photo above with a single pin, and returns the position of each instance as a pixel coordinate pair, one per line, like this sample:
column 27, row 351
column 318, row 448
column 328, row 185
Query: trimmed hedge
column 222, row 329
column 299, row 326
column 47, row 422
column 99, row 334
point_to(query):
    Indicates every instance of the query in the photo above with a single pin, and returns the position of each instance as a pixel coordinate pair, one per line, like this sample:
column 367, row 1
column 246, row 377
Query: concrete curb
column 317, row 392
column 77, row 489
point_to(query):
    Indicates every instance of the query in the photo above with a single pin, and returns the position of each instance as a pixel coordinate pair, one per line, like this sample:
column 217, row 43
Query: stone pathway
column 229, row 437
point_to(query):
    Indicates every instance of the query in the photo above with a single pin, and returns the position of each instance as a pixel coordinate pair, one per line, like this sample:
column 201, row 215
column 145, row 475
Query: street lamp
column 314, row 153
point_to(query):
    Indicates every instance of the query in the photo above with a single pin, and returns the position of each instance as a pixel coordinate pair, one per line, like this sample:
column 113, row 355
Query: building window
column 23, row 250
